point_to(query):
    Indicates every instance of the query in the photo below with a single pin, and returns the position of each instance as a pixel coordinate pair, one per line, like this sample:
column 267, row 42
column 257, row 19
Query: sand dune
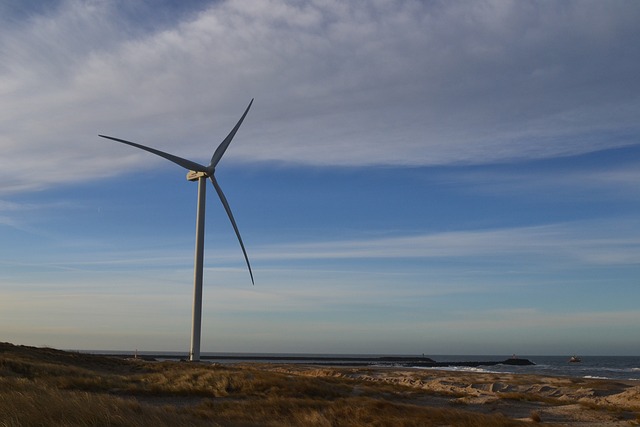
column 560, row 400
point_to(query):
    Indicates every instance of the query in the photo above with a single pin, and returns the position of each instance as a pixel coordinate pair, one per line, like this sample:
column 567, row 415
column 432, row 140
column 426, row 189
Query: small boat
column 575, row 359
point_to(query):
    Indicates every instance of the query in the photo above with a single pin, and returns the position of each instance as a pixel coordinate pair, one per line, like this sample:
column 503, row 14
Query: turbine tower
column 200, row 173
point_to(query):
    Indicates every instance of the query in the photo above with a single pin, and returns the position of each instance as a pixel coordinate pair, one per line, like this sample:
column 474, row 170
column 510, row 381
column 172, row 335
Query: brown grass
column 34, row 405
column 42, row 387
column 531, row 397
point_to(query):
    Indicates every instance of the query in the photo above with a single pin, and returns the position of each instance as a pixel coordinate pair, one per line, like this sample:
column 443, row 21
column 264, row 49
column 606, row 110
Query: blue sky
column 413, row 177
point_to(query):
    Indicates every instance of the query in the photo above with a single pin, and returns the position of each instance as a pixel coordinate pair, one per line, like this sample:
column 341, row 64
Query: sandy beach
column 557, row 400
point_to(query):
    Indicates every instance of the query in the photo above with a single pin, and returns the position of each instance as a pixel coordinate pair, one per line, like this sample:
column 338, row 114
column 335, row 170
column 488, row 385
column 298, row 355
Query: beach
column 558, row 400
column 44, row 386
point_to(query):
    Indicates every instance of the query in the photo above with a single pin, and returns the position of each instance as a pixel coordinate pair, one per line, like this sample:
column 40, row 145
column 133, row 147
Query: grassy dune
column 45, row 387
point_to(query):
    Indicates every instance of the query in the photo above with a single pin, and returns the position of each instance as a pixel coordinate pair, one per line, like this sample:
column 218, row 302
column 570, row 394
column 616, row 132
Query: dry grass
column 531, row 397
column 345, row 411
column 42, row 387
column 23, row 404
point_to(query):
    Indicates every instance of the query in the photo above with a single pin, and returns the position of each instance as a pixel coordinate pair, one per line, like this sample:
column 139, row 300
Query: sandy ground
column 556, row 400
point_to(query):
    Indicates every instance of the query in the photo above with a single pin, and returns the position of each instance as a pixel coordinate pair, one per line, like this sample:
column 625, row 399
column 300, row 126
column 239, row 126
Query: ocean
column 596, row 367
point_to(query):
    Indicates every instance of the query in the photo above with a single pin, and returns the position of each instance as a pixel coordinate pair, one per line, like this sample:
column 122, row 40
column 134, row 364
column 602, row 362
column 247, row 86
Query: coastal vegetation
column 43, row 386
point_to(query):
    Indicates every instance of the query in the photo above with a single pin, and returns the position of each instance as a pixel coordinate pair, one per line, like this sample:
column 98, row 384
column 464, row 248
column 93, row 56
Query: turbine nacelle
column 195, row 175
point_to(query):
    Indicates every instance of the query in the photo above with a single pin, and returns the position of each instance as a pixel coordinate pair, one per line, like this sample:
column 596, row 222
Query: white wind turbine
column 200, row 173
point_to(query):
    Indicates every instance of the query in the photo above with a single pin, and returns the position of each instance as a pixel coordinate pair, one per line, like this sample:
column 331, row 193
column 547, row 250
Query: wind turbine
column 200, row 173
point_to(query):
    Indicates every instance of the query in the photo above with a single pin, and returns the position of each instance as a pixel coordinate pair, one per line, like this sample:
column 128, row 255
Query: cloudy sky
column 413, row 176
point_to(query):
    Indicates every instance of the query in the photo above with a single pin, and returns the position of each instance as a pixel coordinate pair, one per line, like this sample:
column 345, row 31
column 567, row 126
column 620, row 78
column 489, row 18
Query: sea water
column 596, row 367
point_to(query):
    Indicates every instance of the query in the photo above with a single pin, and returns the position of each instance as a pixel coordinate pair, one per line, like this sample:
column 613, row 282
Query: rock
column 518, row 362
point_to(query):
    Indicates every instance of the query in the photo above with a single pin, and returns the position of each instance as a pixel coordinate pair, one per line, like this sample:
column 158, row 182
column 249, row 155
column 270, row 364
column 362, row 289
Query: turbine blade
column 224, row 144
column 187, row 164
column 233, row 222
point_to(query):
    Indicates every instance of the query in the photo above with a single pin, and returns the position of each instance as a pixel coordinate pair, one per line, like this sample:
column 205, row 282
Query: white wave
column 459, row 369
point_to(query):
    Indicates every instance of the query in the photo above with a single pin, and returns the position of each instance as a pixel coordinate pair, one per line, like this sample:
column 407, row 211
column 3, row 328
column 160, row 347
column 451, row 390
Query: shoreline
column 594, row 367
column 363, row 361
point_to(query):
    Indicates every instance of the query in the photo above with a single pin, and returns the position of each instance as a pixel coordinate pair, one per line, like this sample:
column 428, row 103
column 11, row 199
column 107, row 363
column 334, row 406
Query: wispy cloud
column 607, row 242
column 595, row 242
column 13, row 214
column 612, row 180
column 405, row 83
